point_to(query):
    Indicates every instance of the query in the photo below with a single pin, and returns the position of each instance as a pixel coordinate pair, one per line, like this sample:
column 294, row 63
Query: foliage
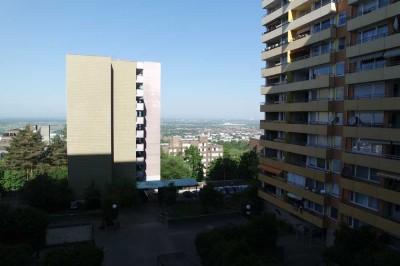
column 56, row 152
column 47, row 193
column 250, row 197
column 234, row 149
column 25, row 152
column 12, row 180
column 173, row 167
column 16, row 255
column 236, row 244
column 81, row 254
column 167, row 195
column 210, row 198
column 23, row 225
column 350, row 248
column 121, row 192
column 223, row 169
column 248, row 165
column 193, row 158
column 92, row 197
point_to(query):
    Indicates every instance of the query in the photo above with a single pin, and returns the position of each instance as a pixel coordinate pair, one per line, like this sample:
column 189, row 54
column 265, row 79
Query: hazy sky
column 209, row 51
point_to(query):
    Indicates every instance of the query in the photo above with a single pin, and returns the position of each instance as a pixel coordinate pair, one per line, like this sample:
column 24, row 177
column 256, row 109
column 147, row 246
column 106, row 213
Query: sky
column 209, row 50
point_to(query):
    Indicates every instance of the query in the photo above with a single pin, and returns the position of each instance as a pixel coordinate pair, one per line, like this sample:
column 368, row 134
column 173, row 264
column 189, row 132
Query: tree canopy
column 248, row 165
column 173, row 167
column 193, row 158
column 26, row 152
column 223, row 169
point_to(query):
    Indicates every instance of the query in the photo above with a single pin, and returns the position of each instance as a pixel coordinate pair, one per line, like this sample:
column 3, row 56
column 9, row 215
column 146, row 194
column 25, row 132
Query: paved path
column 142, row 237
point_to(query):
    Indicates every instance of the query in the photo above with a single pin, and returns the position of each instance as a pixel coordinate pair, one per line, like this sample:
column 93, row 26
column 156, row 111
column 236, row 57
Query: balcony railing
column 272, row 10
column 374, row 154
column 274, row 27
column 313, row 55
column 369, row 10
column 373, row 67
column 313, row 9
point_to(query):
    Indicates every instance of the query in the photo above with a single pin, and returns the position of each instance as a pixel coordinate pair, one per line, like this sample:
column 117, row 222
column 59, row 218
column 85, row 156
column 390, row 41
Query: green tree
column 47, row 193
column 223, row 169
column 234, row 149
column 56, row 152
column 25, row 152
column 248, row 165
column 193, row 158
column 210, row 198
column 250, row 197
column 262, row 233
column 23, row 225
column 80, row 254
column 173, row 167
column 12, row 180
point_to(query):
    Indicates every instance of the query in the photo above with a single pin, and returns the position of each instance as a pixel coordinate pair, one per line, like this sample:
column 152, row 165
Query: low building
column 209, row 151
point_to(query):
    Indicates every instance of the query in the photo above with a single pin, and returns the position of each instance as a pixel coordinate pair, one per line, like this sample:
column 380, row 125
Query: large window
column 368, row 146
column 371, row 90
column 336, row 166
column 296, row 180
column 341, row 43
column 318, row 163
column 370, row 118
column 337, row 142
column 342, row 19
column 365, row 173
column 364, row 200
column 335, row 190
column 372, row 34
column 340, row 69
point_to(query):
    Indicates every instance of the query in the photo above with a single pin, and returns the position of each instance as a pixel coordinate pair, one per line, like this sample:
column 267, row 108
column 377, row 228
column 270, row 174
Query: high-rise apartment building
column 113, row 120
column 208, row 151
column 331, row 142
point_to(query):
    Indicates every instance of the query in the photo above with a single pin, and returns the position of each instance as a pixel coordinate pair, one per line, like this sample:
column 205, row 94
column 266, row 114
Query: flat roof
column 184, row 182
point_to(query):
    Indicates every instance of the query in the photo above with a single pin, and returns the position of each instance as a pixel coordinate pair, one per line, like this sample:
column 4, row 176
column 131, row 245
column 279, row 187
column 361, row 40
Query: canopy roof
column 184, row 182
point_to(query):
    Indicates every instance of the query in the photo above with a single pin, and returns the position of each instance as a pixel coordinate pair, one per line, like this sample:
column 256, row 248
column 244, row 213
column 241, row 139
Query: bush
column 47, row 193
column 23, row 225
column 210, row 198
column 81, row 254
column 12, row 180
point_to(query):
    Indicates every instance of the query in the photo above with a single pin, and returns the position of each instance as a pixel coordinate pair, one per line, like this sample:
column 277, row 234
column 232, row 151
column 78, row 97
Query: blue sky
column 209, row 51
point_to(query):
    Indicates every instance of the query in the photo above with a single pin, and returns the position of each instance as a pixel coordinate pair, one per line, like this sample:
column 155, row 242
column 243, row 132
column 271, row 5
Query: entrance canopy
column 184, row 182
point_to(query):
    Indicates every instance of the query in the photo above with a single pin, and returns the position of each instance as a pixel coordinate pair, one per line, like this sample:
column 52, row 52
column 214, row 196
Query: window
column 371, row 90
column 339, row 94
column 368, row 146
column 336, row 166
column 354, row 223
column 365, row 173
column 335, row 190
column 341, row 43
column 370, row 118
column 364, row 200
column 296, row 180
column 337, row 142
column 334, row 213
column 342, row 19
column 340, row 69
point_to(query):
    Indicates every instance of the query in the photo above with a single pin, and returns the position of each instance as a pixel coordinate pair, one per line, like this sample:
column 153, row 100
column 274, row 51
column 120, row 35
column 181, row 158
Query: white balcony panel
column 312, row 16
column 139, row 147
column 139, row 133
column 139, row 93
column 139, row 106
column 139, row 79
column 139, row 120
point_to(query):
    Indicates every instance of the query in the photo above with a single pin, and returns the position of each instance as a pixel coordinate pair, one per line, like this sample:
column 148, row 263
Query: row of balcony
column 384, row 163
column 378, row 72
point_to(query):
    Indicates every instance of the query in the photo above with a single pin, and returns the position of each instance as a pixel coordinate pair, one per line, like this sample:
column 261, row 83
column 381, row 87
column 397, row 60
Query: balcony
column 315, row 151
column 271, row 71
column 318, row 221
column 310, row 61
column 139, row 106
column 312, row 173
column 276, row 32
column 383, row 162
column 299, row 128
column 139, row 93
column 139, row 78
column 391, row 134
column 274, row 14
column 313, row 15
column 315, row 37
column 375, row 73
column 297, row 190
column 139, row 120
column 311, row 106
column 373, row 15
column 139, row 147
column 373, row 44
column 140, row 159
column 273, row 51
column 369, row 189
column 139, row 133
column 322, row 81
column 372, row 104
column 370, row 218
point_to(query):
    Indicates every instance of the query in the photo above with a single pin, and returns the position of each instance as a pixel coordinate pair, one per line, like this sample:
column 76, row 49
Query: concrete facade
column 102, row 122
column 331, row 146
